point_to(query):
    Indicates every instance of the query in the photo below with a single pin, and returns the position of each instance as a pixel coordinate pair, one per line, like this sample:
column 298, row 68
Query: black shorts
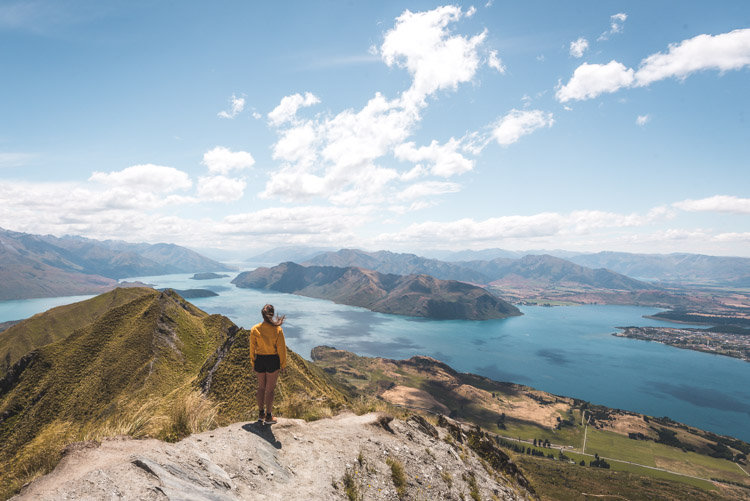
column 267, row 363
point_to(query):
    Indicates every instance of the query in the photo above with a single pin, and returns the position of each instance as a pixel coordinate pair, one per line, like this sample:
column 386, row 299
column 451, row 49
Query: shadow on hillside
column 263, row 431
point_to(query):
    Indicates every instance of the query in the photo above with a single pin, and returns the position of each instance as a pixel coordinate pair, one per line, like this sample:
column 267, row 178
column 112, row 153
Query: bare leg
column 271, row 378
column 262, row 377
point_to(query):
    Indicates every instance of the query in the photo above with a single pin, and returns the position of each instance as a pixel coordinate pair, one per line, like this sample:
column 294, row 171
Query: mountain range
column 529, row 270
column 413, row 295
column 33, row 266
column 673, row 268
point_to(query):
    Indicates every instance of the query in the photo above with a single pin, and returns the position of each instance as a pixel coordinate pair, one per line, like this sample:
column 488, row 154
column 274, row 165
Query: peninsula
column 411, row 295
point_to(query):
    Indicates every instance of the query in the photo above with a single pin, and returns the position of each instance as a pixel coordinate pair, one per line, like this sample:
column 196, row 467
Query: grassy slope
column 479, row 406
column 58, row 323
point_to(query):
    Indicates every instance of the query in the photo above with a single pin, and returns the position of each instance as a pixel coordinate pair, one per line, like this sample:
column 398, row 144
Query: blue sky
column 406, row 126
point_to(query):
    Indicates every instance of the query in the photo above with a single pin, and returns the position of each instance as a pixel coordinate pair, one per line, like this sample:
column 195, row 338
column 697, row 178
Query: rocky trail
column 345, row 457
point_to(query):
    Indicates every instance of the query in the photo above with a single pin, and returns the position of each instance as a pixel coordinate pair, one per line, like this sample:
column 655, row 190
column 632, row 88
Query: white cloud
column 288, row 107
column 591, row 80
column 717, row 203
column 147, row 177
column 732, row 237
column 222, row 160
column 437, row 60
column 579, row 47
column 724, row 52
column 517, row 123
column 220, row 188
column 238, row 104
column 288, row 224
column 443, row 161
column 428, row 189
column 643, row 120
column 257, row 115
column 615, row 26
column 495, row 62
column 467, row 231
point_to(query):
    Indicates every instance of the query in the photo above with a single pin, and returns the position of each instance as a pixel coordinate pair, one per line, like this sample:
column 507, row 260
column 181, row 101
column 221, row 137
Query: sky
column 408, row 126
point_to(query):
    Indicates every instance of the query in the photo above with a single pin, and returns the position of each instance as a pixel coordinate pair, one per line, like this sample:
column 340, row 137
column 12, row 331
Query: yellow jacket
column 267, row 339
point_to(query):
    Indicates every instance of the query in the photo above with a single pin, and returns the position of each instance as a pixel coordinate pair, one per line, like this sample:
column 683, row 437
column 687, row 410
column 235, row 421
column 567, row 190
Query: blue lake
column 563, row 350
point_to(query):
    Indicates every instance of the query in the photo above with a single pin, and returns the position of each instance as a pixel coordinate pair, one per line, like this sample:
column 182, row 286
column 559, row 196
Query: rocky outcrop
column 345, row 457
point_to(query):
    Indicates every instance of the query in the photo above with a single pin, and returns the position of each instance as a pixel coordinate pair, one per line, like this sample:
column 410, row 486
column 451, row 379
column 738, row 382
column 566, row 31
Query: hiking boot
column 261, row 415
column 270, row 419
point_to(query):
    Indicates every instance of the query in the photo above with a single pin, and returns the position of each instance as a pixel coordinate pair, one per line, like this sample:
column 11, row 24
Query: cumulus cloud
column 147, row 178
column 237, row 105
column 220, row 188
column 222, row 160
column 717, row 203
column 517, row 123
column 579, row 47
column 591, row 80
column 341, row 156
column 642, row 120
column 493, row 61
column 437, row 60
column 723, row 52
column 616, row 22
column 288, row 107
column 441, row 160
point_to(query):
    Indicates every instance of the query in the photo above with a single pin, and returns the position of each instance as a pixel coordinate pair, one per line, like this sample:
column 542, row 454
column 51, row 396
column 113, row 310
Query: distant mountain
column 690, row 268
column 547, row 270
column 296, row 254
column 149, row 365
column 34, row 266
column 413, row 295
column 397, row 263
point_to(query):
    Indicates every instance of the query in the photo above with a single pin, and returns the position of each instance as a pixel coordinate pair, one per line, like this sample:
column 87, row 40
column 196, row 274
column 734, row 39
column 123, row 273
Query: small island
column 709, row 341
column 207, row 276
column 411, row 295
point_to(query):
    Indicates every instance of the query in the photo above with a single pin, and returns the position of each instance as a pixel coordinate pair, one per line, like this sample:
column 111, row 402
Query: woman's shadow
column 263, row 431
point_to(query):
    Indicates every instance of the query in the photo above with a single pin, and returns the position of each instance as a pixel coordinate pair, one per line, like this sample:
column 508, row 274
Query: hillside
column 689, row 268
column 58, row 323
column 413, row 295
column 397, row 264
column 34, row 266
column 523, row 420
column 148, row 366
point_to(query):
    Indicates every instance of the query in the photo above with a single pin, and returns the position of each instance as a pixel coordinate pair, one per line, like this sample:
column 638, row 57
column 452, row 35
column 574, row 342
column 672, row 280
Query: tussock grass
column 398, row 476
column 300, row 406
column 192, row 413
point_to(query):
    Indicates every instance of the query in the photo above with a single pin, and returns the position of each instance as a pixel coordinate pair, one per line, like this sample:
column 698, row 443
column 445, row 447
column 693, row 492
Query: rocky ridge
column 345, row 457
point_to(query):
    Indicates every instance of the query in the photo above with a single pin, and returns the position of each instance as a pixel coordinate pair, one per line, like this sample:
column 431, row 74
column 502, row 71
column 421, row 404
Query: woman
column 268, row 354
